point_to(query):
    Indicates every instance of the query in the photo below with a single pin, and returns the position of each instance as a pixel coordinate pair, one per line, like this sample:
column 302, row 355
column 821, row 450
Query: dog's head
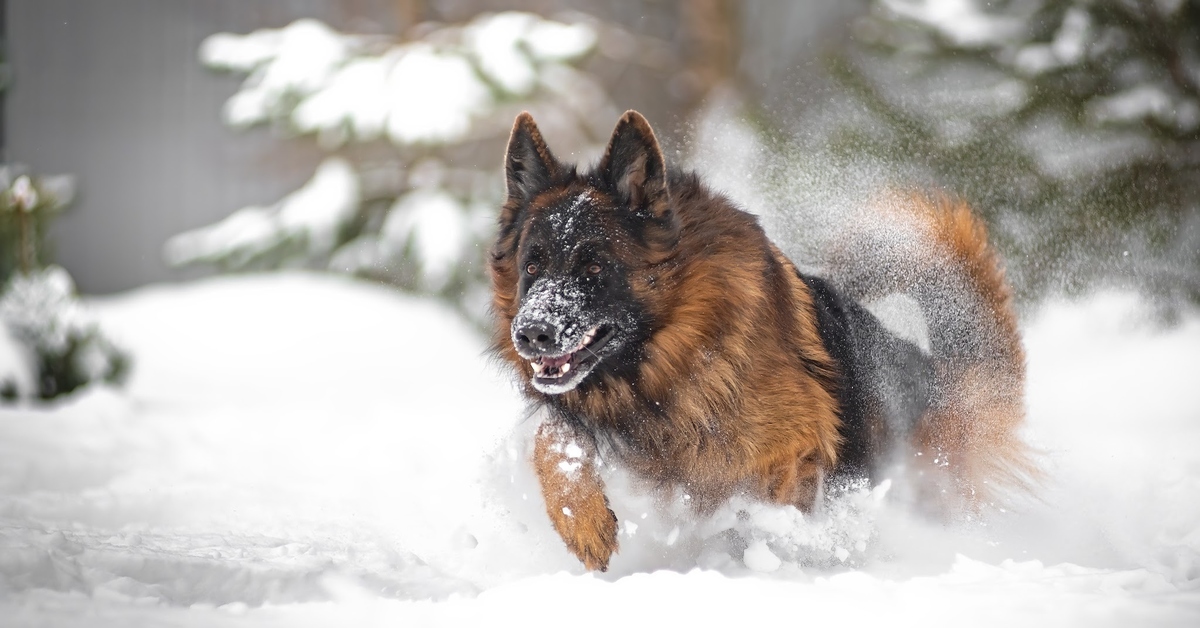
column 572, row 253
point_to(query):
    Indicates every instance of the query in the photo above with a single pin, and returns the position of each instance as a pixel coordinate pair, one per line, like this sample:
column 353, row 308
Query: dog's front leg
column 565, row 460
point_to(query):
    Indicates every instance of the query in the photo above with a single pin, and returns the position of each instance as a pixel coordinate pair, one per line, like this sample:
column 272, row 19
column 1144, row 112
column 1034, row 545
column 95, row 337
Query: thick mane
column 721, row 355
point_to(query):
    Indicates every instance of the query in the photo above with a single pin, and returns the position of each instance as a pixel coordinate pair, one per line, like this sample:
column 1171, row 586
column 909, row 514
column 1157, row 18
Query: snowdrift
column 309, row 450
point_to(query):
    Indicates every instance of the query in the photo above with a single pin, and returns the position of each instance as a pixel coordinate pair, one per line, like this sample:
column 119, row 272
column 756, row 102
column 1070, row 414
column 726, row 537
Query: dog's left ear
column 529, row 167
column 634, row 166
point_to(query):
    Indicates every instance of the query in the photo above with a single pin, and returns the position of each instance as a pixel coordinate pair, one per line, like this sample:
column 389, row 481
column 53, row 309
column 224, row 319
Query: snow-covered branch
column 419, row 217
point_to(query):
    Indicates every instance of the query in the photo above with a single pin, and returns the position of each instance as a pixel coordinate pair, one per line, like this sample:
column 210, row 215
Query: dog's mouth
column 558, row 374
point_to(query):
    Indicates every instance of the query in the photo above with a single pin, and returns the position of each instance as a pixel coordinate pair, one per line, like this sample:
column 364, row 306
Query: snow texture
column 49, row 341
column 312, row 215
column 434, row 224
column 450, row 88
column 41, row 309
column 963, row 22
column 558, row 301
column 18, row 367
column 427, row 91
column 1067, row 48
column 293, row 61
column 299, row 450
column 1146, row 102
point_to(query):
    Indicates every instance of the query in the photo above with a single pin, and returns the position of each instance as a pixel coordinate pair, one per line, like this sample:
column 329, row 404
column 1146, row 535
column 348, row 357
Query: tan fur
column 975, row 427
column 970, row 453
column 565, row 462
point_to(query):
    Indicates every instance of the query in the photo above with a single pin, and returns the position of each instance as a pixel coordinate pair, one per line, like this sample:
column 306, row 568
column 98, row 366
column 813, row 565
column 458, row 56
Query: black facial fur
column 567, row 259
column 565, row 234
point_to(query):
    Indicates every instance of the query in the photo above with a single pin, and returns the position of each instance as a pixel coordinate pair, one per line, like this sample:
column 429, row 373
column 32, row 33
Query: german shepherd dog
column 659, row 328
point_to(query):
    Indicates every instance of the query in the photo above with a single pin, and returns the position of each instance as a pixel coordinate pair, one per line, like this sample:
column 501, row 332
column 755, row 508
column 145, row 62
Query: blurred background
column 148, row 141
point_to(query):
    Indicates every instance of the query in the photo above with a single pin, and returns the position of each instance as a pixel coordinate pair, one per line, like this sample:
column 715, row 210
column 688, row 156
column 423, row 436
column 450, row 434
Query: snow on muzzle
column 548, row 332
column 557, row 373
column 554, row 367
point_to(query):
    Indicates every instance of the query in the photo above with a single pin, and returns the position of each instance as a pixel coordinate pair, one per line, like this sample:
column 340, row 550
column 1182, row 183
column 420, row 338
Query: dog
column 659, row 328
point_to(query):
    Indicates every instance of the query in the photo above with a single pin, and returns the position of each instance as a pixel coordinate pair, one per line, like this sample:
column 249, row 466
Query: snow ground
column 308, row 450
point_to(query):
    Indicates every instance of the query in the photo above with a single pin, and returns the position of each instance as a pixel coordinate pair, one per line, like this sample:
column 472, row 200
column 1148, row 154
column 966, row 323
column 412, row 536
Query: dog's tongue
column 551, row 363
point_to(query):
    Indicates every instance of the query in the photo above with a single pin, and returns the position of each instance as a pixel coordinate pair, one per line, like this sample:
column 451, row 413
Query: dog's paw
column 595, row 543
column 574, row 493
column 590, row 534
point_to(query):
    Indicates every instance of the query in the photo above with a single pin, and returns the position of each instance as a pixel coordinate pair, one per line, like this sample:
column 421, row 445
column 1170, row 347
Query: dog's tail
column 936, row 250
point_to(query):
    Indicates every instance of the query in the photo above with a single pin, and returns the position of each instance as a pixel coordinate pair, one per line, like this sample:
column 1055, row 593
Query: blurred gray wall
column 111, row 92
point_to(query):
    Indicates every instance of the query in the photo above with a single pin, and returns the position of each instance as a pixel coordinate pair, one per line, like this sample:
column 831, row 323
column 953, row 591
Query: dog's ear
column 529, row 167
column 634, row 166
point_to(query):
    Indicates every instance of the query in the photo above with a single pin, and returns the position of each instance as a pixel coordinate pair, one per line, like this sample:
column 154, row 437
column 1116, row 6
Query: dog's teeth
column 566, row 367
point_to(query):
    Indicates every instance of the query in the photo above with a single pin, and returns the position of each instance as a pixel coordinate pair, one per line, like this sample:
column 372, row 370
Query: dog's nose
column 537, row 337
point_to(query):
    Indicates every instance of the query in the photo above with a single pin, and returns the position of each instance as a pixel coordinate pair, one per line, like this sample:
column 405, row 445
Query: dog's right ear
column 634, row 165
column 529, row 167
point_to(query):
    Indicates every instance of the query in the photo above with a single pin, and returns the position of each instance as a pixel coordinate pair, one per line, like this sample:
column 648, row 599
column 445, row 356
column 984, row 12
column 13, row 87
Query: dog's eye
column 531, row 268
column 594, row 269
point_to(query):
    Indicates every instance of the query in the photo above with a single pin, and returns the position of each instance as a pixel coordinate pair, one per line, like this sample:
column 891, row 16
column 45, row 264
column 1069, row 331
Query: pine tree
column 414, row 130
column 38, row 306
column 1074, row 125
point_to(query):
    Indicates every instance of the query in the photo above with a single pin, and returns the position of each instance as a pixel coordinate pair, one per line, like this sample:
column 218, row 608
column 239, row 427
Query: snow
column 425, row 91
column 62, row 346
column 1064, row 154
column 17, row 366
column 434, row 223
column 496, row 44
column 1070, row 43
column 1146, row 102
column 313, row 214
column 248, row 231
column 30, row 194
column 296, row 59
column 433, row 96
column 323, row 205
column 299, row 449
column 963, row 22
column 559, row 42
column 24, row 195
column 40, row 307
column 760, row 558
column 355, row 96
column 507, row 46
